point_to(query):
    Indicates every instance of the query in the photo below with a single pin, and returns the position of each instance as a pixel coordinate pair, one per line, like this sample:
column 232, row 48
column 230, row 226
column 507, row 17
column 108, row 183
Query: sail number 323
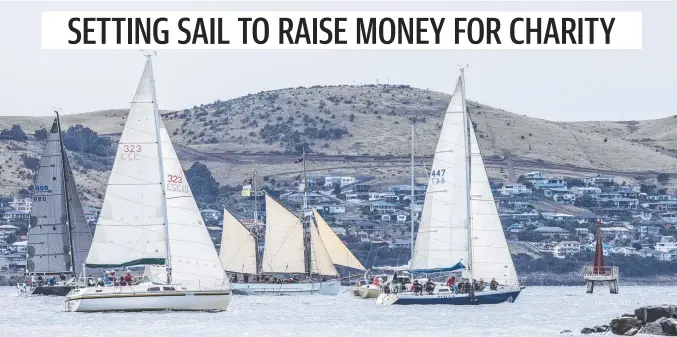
column 437, row 176
column 130, row 152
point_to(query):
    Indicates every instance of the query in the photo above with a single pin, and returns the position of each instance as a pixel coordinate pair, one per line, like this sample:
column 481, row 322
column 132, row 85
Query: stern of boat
column 387, row 299
column 331, row 287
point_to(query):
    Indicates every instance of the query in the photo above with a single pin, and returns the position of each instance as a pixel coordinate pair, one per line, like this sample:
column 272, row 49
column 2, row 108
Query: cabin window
column 442, row 290
column 168, row 288
column 154, row 289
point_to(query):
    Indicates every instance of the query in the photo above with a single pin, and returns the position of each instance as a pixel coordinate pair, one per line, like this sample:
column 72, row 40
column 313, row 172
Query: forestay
column 283, row 248
column 442, row 238
column 238, row 246
column 338, row 252
column 130, row 229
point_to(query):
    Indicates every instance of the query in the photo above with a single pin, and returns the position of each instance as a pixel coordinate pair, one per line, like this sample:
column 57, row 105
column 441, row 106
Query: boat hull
column 369, row 292
column 488, row 297
column 331, row 287
column 60, row 290
column 129, row 299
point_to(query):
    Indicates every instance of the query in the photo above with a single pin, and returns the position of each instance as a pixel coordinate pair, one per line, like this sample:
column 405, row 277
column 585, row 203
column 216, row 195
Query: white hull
column 331, row 287
column 139, row 298
column 369, row 291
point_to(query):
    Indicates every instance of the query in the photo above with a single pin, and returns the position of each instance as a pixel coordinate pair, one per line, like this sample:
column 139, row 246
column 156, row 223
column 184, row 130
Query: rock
column 652, row 313
column 626, row 326
column 566, row 331
column 601, row 328
column 669, row 326
column 652, row 328
column 585, row 331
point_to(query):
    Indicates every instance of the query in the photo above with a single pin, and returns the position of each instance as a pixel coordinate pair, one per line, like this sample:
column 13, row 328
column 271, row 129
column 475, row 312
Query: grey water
column 539, row 311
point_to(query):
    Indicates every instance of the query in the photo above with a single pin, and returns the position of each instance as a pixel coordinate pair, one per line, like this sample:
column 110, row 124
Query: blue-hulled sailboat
column 460, row 230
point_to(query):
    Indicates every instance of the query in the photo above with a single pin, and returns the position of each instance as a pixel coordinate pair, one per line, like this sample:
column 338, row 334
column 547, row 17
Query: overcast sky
column 556, row 85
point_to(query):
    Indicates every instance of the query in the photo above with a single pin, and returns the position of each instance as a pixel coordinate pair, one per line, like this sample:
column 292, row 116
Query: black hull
column 52, row 290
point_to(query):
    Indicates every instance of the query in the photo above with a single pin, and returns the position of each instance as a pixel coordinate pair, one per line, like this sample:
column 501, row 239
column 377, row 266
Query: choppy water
column 539, row 311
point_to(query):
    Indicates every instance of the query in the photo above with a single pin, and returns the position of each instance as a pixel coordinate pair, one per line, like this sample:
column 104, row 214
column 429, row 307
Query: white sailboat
column 460, row 228
column 149, row 217
column 58, row 237
column 284, row 254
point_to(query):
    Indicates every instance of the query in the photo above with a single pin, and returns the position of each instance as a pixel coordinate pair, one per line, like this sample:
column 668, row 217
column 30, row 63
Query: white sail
column 491, row 256
column 284, row 250
column 191, row 249
column 130, row 229
column 442, row 238
column 238, row 246
column 339, row 253
column 320, row 261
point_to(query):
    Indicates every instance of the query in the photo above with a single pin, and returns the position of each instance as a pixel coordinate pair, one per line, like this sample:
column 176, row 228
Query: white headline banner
column 341, row 30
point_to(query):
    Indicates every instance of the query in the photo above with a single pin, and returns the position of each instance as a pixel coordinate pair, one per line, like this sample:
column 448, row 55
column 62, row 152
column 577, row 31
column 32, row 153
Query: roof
column 550, row 229
column 17, row 212
column 571, row 242
column 382, row 203
column 8, row 227
column 209, row 210
column 20, row 243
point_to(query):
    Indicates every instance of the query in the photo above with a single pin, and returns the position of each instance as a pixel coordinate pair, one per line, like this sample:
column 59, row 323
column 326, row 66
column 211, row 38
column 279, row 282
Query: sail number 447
column 437, row 176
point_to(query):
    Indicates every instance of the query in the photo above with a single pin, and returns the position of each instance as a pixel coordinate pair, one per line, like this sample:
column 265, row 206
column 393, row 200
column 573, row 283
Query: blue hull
column 480, row 298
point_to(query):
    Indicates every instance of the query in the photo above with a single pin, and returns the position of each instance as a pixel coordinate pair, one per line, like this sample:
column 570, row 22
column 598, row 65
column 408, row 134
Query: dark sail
column 80, row 232
column 48, row 242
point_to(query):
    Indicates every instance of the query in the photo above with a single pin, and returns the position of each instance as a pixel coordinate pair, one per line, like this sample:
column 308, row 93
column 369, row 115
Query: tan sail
column 238, row 246
column 321, row 263
column 283, row 249
column 339, row 253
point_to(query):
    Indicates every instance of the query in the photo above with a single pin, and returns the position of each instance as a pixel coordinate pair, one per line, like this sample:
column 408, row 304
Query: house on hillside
column 600, row 181
column 564, row 198
column 21, row 204
column 340, row 180
column 382, row 207
column 581, row 191
column 552, row 231
column 16, row 215
column 210, row 214
column 565, row 248
column 514, row 189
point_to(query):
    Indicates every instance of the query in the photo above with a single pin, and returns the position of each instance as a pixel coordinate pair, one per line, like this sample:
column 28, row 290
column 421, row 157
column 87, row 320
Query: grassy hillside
column 372, row 120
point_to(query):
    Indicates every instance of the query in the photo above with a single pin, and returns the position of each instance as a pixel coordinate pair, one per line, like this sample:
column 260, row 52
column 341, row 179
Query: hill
column 363, row 130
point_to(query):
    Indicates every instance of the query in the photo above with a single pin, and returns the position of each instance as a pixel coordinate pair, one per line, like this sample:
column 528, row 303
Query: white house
column 332, row 209
column 564, row 248
column 600, row 181
column 514, row 189
column 665, row 247
column 339, row 230
column 552, row 231
column 341, row 181
column 564, row 198
column 7, row 230
column 21, row 204
column 16, row 215
column 20, row 246
column 581, row 191
column 382, row 207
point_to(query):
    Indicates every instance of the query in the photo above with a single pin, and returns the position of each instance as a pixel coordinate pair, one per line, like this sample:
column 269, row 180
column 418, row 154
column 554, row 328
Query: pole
column 156, row 115
column 411, row 201
column 65, row 189
column 306, row 222
column 466, row 131
column 256, row 221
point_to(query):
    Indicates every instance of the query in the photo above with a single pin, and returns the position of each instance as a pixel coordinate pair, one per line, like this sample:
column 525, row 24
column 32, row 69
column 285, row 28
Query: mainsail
column 338, row 252
column 130, row 229
column 49, row 236
column 238, row 246
column 442, row 238
column 284, row 250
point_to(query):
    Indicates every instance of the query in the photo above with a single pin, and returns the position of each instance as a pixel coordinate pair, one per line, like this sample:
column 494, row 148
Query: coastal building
column 565, row 248
column 340, row 180
column 600, row 181
column 21, row 204
column 514, row 189
column 16, row 215
column 552, row 231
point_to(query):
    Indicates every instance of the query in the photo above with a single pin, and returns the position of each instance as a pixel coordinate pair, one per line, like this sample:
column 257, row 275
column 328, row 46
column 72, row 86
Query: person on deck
column 451, row 283
column 418, row 288
column 52, row 281
column 129, row 278
column 493, row 285
column 122, row 281
column 100, row 282
column 481, row 285
column 429, row 286
column 246, row 278
column 40, row 280
column 62, row 277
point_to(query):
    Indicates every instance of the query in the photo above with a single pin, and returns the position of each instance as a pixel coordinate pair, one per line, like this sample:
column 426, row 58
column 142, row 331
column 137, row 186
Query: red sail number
column 174, row 179
column 131, row 148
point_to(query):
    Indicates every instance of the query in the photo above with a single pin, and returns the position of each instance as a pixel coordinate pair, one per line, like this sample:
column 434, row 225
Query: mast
column 156, row 115
column 306, row 222
column 466, row 134
column 411, row 201
column 256, row 222
column 65, row 188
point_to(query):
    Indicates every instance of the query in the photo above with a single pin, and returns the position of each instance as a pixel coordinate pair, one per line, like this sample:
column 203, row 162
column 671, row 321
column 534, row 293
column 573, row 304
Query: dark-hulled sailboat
column 58, row 237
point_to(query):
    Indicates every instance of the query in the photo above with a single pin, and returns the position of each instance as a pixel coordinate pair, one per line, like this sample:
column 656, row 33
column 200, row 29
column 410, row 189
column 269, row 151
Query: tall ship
column 149, row 218
column 460, row 230
column 58, row 236
column 299, row 253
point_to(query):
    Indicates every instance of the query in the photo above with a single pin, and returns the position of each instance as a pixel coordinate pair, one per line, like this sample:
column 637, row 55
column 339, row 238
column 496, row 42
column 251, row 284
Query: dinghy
column 149, row 217
column 460, row 228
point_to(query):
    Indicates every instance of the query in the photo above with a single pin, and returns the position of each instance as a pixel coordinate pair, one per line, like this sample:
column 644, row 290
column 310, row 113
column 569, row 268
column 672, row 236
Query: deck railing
column 609, row 271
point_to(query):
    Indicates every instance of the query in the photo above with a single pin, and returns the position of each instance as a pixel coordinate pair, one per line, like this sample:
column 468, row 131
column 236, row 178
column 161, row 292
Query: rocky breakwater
column 658, row 320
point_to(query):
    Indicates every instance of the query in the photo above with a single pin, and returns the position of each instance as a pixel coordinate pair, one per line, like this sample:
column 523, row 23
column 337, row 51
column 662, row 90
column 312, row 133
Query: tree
column 15, row 133
column 585, row 201
column 82, row 139
column 663, row 178
column 637, row 246
column 648, row 189
column 202, row 183
column 41, row 134
column 11, row 238
column 337, row 190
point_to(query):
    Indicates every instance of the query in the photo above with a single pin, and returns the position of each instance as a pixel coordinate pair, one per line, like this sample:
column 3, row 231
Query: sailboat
column 285, row 254
column 58, row 237
column 149, row 218
column 460, row 229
